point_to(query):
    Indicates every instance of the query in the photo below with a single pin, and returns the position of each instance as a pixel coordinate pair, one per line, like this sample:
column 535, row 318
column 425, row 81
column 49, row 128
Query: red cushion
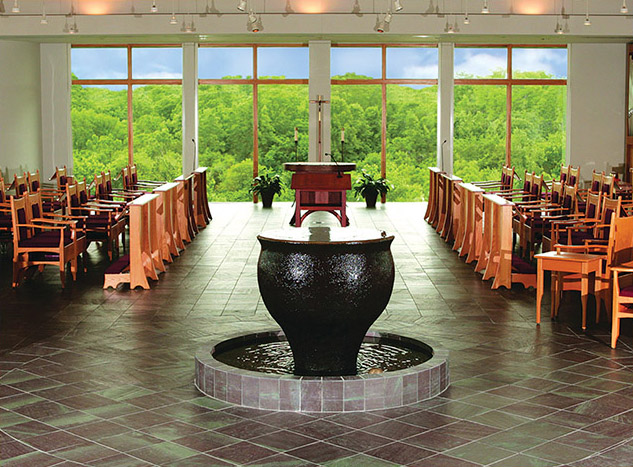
column 119, row 265
column 45, row 240
column 521, row 266
column 626, row 291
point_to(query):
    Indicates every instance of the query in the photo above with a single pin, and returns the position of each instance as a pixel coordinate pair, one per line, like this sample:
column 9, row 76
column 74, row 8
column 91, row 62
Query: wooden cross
column 319, row 101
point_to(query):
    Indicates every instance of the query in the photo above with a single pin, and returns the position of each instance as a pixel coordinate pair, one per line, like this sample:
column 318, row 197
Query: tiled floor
column 93, row 377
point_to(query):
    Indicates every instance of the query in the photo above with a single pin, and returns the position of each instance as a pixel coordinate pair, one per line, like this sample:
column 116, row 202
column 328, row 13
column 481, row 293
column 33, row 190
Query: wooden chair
column 507, row 180
column 40, row 242
column 20, row 184
column 5, row 213
column 597, row 243
column 137, row 184
column 622, row 274
column 111, row 194
column 53, row 200
column 102, row 223
column 564, row 173
column 574, row 176
column 62, row 177
column 557, row 226
column 535, row 221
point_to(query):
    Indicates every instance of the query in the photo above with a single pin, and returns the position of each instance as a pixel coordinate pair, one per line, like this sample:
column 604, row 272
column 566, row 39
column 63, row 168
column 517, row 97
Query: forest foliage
column 99, row 123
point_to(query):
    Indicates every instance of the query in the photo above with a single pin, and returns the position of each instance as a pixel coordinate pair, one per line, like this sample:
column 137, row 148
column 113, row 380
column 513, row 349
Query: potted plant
column 369, row 188
column 266, row 186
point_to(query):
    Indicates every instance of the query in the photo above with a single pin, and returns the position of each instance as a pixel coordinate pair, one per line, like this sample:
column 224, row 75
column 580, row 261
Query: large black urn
column 325, row 287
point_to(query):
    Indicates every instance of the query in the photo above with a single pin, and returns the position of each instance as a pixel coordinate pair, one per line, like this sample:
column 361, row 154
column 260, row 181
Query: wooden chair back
column 607, row 186
column 574, row 176
column 592, row 208
column 596, row 182
column 3, row 195
column 507, row 177
column 538, row 184
column 20, row 184
column 127, row 179
column 62, row 177
column 564, row 174
column 569, row 200
column 556, row 192
column 34, row 180
column 20, row 217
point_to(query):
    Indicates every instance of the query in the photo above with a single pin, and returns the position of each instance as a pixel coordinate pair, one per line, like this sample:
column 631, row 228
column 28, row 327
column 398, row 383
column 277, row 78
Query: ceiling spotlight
column 356, row 9
column 73, row 29
column 257, row 26
column 388, row 16
column 16, row 7
column 484, row 9
column 397, row 6
column 43, row 19
column 587, row 21
column 241, row 5
column 624, row 10
column 188, row 27
column 380, row 24
column 154, row 8
column 466, row 19
column 559, row 28
column 173, row 19
column 252, row 17
column 288, row 10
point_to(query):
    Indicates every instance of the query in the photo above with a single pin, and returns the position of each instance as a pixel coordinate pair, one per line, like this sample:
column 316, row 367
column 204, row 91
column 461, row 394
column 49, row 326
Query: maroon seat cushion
column 44, row 240
column 119, row 265
column 522, row 266
column 626, row 291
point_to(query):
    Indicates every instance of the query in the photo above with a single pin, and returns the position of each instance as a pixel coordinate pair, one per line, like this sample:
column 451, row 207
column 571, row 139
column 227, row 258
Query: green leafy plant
column 266, row 183
column 367, row 185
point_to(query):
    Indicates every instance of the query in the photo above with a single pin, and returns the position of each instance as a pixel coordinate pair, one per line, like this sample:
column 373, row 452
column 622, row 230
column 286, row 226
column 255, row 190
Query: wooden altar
column 320, row 186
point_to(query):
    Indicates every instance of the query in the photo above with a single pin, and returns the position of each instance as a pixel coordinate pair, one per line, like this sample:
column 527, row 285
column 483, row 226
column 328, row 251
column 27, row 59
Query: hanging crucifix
column 319, row 101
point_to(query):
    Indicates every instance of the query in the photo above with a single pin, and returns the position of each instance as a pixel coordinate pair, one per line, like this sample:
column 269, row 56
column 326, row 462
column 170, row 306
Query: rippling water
column 276, row 357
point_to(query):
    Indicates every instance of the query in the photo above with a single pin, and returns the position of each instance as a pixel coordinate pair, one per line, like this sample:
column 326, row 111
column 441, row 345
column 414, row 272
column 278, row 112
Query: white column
column 57, row 146
column 189, row 107
column 596, row 86
column 445, row 100
column 319, row 86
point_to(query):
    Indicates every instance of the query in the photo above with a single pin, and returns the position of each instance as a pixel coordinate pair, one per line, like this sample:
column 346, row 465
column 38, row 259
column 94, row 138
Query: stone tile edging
column 321, row 394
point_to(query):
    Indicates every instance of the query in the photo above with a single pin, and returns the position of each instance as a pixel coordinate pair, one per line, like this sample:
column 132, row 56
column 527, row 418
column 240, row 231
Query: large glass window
column 105, row 92
column 99, row 126
column 509, row 111
column 386, row 100
column 231, row 93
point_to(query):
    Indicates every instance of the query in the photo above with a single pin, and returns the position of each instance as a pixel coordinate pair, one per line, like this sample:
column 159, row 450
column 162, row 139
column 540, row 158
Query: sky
column 293, row 62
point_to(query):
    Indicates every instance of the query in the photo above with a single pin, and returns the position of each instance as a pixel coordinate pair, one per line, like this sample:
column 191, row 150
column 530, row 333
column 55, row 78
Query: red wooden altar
column 320, row 186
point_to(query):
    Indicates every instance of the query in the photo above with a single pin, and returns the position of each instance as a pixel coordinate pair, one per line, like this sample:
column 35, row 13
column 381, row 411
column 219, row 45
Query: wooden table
column 565, row 262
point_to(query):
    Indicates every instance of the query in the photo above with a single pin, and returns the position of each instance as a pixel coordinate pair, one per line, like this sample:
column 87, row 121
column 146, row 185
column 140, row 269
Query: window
column 386, row 100
column 232, row 92
column 510, row 105
column 105, row 93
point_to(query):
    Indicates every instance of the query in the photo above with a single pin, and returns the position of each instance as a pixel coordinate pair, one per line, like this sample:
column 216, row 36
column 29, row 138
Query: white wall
column 596, row 107
column 20, row 126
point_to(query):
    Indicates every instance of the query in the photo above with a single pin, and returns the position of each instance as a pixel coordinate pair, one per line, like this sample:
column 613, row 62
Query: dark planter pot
column 325, row 288
column 267, row 198
column 370, row 198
